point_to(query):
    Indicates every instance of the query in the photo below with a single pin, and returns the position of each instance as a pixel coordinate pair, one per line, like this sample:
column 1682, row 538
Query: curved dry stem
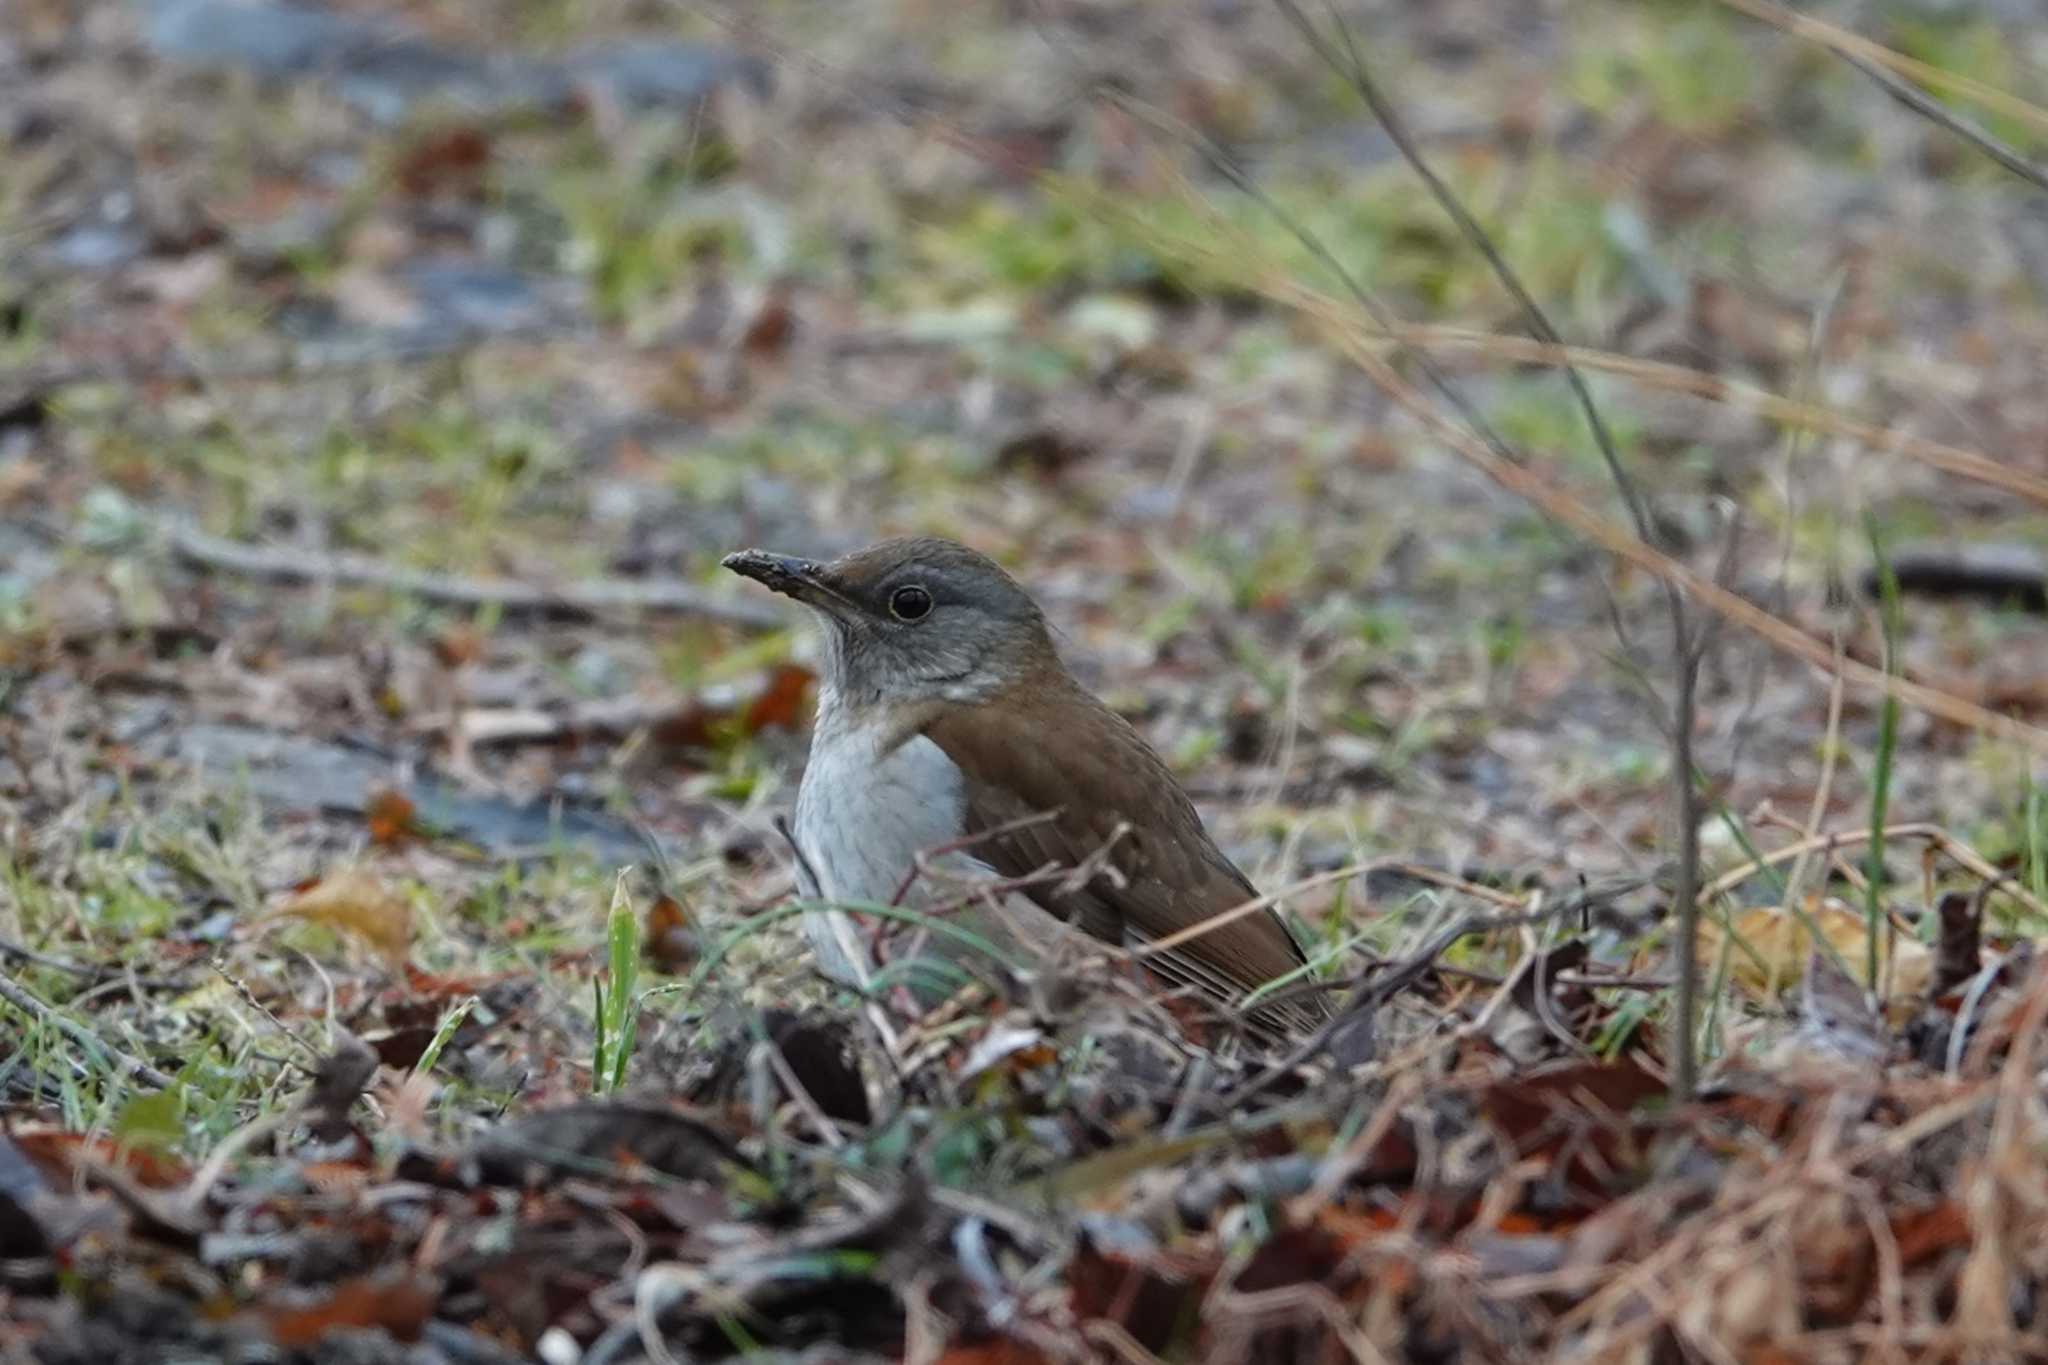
column 1844, row 43
column 1787, row 412
column 1570, row 511
column 1241, row 260
column 1340, row 326
column 1958, row 852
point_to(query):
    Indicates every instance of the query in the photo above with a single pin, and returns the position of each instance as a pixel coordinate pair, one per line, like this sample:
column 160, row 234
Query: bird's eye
column 910, row 604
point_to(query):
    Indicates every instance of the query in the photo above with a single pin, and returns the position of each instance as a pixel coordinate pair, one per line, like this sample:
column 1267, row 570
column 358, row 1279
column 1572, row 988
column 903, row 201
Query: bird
column 946, row 721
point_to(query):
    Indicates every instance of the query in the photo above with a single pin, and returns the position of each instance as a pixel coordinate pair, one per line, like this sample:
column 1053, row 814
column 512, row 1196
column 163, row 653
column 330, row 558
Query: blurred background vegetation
column 355, row 361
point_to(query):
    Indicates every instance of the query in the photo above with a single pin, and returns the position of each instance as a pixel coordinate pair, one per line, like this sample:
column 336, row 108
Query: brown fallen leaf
column 781, row 703
column 400, row 1304
column 1149, row 1297
column 772, row 327
column 1778, row 943
column 444, row 988
column 1579, row 1116
column 1043, row 451
column 670, row 938
column 698, row 722
column 391, row 817
column 1923, row 1234
column 1959, row 951
column 458, row 644
column 65, row 1157
column 702, row 722
column 357, row 902
column 447, row 161
column 999, row 1351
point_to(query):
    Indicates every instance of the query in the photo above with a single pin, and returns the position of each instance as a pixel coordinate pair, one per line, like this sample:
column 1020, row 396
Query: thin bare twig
column 95, row 974
column 1683, row 705
column 28, row 1004
column 921, row 861
column 1778, row 408
column 30, row 383
column 1961, row 853
column 578, row 601
column 1561, row 506
column 1382, row 987
column 1823, row 790
column 1844, row 43
column 1934, row 110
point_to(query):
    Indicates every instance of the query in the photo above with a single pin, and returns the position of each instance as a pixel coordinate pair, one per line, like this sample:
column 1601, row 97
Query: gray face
column 911, row 620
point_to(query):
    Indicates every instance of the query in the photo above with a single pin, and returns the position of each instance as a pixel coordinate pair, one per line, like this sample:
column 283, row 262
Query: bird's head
column 913, row 620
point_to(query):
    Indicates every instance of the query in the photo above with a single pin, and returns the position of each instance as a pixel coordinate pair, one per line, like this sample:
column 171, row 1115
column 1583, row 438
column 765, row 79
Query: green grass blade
column 617, row 998
column 451, row 1020
column 1892, row 618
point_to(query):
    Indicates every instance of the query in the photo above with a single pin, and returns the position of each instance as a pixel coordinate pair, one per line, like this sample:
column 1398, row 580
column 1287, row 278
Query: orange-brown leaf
column 781, row 703
column 449, row 161
column 1926, row 1233
column 1001, row 1351
column 391, row 818
column 440, row 987
column 771, row 329
column 357, row 902
column 1778, row 943
column 459, row 644
column 670, row 938
column 401, row 1306
column 65, row 1156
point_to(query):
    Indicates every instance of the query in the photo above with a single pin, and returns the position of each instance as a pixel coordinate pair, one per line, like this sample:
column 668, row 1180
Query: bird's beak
column 803, row 579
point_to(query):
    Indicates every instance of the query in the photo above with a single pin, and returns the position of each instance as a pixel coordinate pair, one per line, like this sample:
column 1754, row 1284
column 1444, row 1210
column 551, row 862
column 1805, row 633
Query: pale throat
column 861, row 675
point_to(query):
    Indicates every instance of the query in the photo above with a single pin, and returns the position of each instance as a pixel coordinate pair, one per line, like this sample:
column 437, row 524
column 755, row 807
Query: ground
column 388, row 774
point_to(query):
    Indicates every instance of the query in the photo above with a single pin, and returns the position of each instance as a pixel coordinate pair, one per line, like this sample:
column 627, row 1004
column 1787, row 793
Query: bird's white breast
column 862, row 818
column 862, row 815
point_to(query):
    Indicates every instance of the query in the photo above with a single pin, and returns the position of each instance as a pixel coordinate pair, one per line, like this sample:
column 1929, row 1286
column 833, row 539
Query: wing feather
column 1098, row 775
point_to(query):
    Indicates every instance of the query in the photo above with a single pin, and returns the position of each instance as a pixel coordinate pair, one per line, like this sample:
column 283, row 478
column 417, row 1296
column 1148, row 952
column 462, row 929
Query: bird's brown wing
column 1097, row 774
